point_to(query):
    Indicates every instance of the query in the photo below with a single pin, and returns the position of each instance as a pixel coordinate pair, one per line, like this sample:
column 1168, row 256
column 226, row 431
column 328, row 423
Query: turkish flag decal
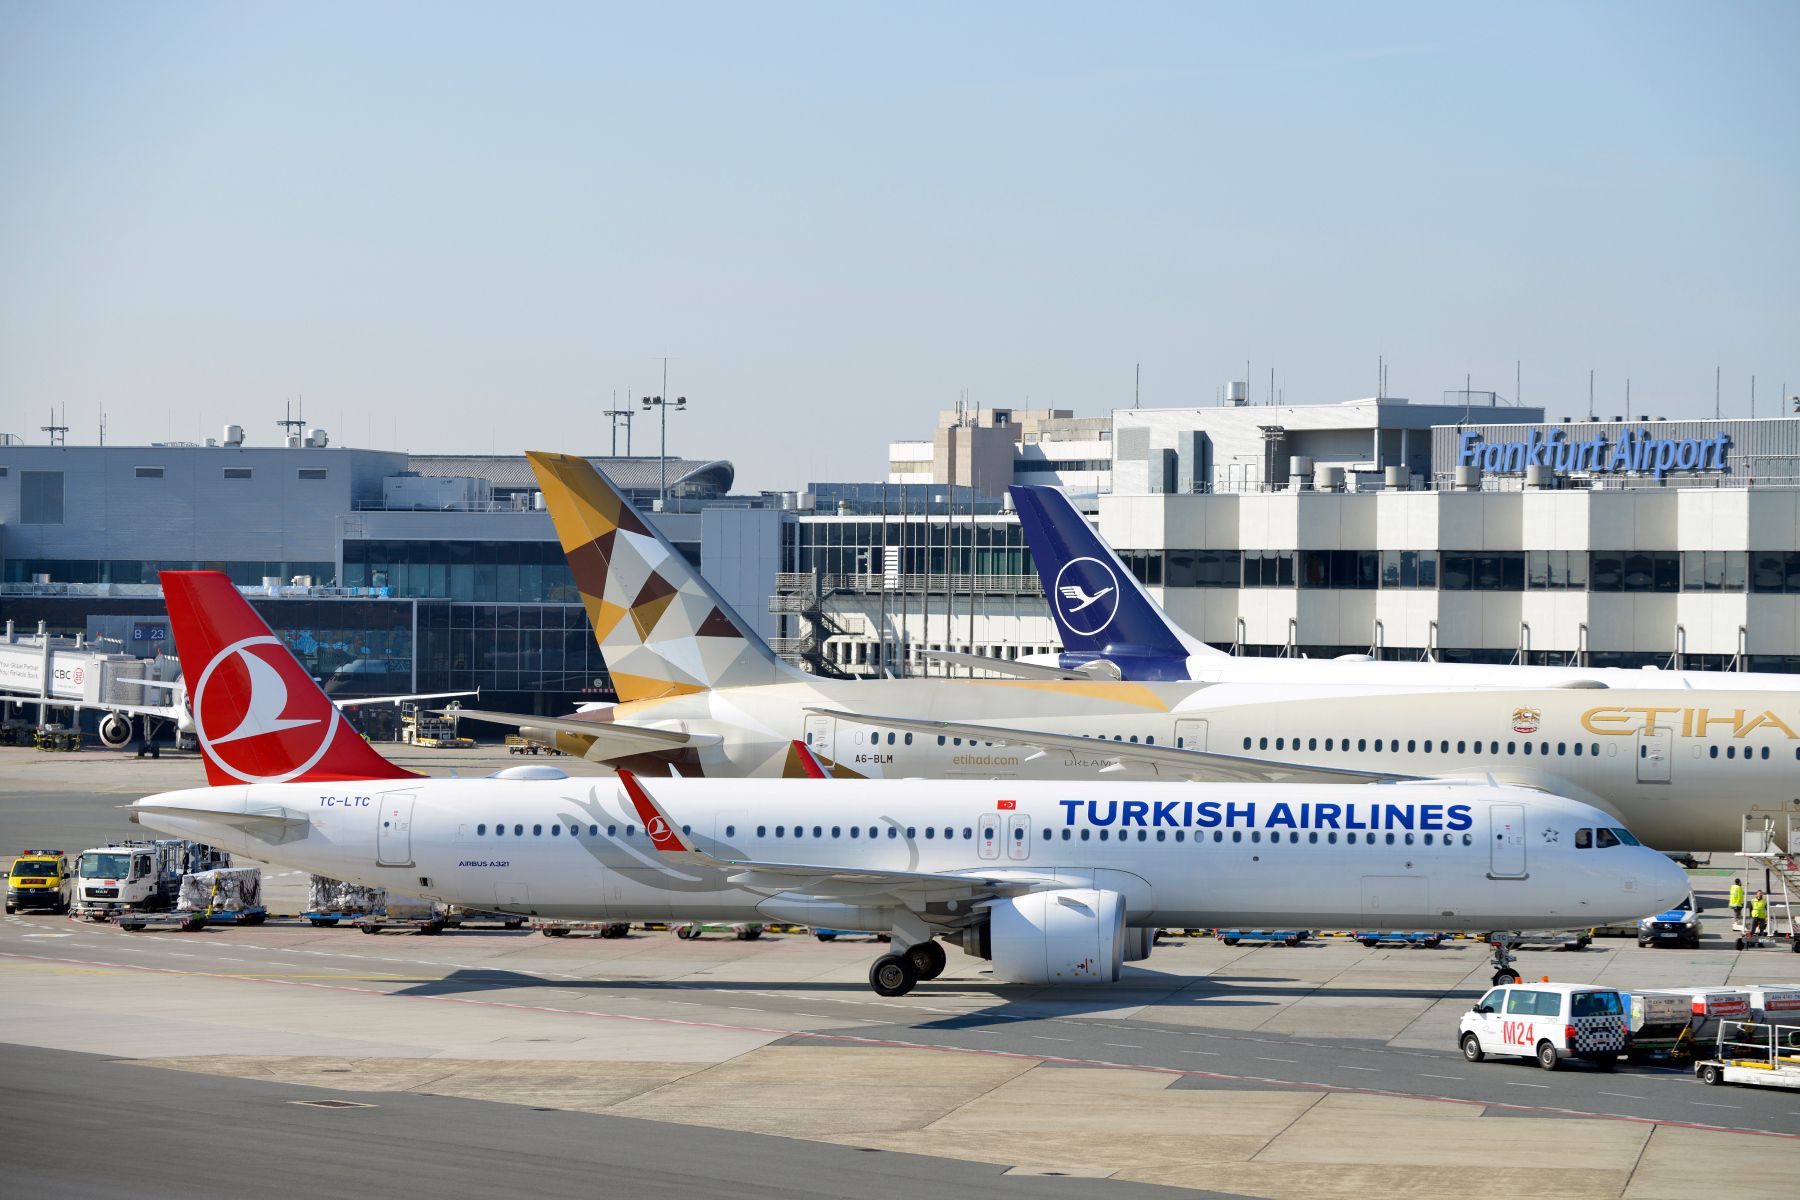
column 1008, row 805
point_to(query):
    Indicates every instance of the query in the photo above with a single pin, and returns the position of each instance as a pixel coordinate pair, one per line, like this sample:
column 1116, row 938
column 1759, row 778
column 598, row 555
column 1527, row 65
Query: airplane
column 1050, row 882
column 1134, row 639
column 702, row 695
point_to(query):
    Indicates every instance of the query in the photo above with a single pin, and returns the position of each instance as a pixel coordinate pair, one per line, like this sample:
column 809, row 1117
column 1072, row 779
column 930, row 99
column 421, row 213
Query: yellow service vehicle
column 40, row 879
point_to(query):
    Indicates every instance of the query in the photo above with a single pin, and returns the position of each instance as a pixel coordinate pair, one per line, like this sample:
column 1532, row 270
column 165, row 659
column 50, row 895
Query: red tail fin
column 259, row 716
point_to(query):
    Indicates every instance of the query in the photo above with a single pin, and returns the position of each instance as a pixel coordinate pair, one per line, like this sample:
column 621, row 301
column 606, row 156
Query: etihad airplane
column 1050, row 882
column 1132, row 637
column 701, row 694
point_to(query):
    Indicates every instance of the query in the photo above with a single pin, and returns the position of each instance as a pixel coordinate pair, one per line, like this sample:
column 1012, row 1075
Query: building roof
column 712, row 477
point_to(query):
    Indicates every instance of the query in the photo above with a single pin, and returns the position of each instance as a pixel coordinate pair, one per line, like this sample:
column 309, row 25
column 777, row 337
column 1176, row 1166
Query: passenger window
column 1577, row 749
column 612, row 830
column 1378, row 745
column 837, row 831
column 1409, row 839
column 1256, row 835
column 518, row 831
column 855, row 830
column 818, row 830
column 1512, row 747
column 930, row 833
column 631, row 831
column 1428, row 839
column 893, row 831
column 1246, row 743
column 1492, row 1001
column 1312, row 743
column 780, row 830
column 1237, row 835
column 1584, row 839
column 1331, row 838
column 1162, row 835
column 908, row 740
column 594, row 830
column 1313, row 837
column 1105, row 835
column 1522, row 1002
column 480, row 830
column 1604, row 837
column 1084, row 835
column 556, row 831
column 1181, row 836
column 1410, row 745
column 731, row 831
column 1280, row 743
column 1218, row 835
column 1390, row 839
column 1363, row 744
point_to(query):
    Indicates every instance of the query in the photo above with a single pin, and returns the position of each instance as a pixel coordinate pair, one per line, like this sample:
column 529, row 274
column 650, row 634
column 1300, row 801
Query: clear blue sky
column 455, row 227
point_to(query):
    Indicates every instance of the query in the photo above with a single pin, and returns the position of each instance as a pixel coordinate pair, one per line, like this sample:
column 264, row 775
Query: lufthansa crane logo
column 1086, row 595
column 247, row 721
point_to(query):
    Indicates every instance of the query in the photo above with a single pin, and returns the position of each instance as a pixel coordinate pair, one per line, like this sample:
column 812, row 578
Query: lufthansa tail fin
column 661, row 627
column 259, row 717
column 1098, row 604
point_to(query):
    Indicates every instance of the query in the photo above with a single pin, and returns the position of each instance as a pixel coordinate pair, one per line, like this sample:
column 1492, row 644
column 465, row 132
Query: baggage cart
column 1430, row 941
column 604, row 929
column 1279, row 937
column 1757, row 1054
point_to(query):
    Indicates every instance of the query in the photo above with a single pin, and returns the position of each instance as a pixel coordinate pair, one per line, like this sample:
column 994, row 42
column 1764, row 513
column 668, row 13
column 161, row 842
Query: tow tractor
column 1754, row 1053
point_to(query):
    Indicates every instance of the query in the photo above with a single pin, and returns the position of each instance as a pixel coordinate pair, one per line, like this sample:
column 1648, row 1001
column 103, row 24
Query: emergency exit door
column 988, row 832
column 1018, row 836
column 1506, row 841
column 821, row 736
column 1653, row 756
column 393, row 831
column 1190, row 734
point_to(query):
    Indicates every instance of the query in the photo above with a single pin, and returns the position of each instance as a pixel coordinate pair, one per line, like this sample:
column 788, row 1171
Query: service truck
column 39, row 880
column 138, row 876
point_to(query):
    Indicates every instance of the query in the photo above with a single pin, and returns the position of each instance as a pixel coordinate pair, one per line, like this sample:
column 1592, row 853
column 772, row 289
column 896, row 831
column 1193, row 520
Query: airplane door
column 1653, row 756
column 821, row 736
column 393, row 834
column 1506, row 841
column 1190, row 734
column 988, row 833
column 1018, row 836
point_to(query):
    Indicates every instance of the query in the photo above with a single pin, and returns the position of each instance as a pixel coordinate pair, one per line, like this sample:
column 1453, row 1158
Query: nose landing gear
column 1501, row 943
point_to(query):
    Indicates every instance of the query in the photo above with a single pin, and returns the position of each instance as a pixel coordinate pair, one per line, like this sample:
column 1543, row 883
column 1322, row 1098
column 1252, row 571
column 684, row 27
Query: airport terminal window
column 1409, row 568
column 1268, row 568
column 239, row 472
column 147, row 472
column 1635, row 570
column 1202, row 568
column 1714, row 570
column 1775, row 571
column 40, row 497
column 1355, row 569
column 312, row 473
column 1556, row 570
column 1472, row 571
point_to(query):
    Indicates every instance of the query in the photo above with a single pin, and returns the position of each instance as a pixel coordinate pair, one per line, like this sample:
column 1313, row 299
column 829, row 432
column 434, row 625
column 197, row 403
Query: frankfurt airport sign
column 1635, row 451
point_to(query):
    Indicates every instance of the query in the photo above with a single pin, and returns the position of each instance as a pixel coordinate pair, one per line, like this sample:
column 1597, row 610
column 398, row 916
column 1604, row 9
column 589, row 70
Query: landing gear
column 928, row 959
column 893, row 975
column 1503, row 968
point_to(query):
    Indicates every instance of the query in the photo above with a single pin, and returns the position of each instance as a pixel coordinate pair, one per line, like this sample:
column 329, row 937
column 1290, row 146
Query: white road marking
column 1704, row 1104
column 1208, row 1053
column 1044, row 1037
column 1348, row 1067
column 1621, row 1095
column 1260, row 1058
column 1121, row 1045
column 1535, row 1085
column 1429, row 1075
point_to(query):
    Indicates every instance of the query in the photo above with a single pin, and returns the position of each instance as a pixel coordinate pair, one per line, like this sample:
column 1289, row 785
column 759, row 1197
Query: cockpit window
column 1625, row 836
column 1605, row 837
column 1584, row 839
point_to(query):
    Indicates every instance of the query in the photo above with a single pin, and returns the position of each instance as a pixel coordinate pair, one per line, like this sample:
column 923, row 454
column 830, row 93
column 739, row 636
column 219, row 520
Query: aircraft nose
column 1664, row 881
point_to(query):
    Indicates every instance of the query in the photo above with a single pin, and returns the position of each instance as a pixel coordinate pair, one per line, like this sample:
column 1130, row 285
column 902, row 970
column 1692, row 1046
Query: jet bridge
column 57, row 672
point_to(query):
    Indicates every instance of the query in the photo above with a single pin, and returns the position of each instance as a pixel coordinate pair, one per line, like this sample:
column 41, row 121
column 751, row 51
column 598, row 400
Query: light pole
column 679, row 404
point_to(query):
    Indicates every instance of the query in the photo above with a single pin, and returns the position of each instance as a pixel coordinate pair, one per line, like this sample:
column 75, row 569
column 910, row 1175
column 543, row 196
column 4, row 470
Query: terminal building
column 1463, row 529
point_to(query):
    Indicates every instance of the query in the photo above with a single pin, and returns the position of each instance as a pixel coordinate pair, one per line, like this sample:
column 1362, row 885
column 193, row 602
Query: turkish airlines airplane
column 702, row 695
column 1050, row 882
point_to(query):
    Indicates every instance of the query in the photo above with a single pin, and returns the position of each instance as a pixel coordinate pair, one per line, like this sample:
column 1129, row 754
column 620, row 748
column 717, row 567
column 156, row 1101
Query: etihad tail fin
column 1099, row 606
column 661, row 627
column 259, row 717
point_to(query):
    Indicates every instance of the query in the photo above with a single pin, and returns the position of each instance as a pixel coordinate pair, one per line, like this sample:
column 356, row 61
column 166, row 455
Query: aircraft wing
column 629, row 739
column 165, row 712
column 1180, row 763
column 826, row 882
column 1001, row 666
column 359, row 701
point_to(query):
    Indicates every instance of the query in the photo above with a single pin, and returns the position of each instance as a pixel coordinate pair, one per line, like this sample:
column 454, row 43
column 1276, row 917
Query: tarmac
column 1324, row 1070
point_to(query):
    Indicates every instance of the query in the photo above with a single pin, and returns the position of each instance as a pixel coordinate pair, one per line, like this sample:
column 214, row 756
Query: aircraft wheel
column 1471, row 1048
column 893, row 975
column 823, row 937
column 928, row 959
column 1506, row 975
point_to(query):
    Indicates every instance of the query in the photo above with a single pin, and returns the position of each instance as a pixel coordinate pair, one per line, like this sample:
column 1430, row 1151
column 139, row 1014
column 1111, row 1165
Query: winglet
column 664, row 833
column 808, row 762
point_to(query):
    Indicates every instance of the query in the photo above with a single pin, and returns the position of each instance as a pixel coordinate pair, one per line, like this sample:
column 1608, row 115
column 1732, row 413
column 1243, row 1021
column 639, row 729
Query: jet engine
column 114, row 730
column 1071, row 936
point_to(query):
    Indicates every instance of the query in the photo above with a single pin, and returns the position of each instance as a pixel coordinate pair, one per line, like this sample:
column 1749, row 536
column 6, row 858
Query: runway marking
column 1348, row 1067
column 1622, row 1095
column 336, row 984
column 1535, row 1085
column 1207, row 1053
column 1428, row 1075
column 1121, row 1045
column 1044, row 1037
column 1704, row 1104
column 1260, row 1058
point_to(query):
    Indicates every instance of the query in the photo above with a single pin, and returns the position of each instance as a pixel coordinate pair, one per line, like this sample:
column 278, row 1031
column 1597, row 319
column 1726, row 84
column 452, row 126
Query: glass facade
column 244, row 573
column 496, row 572
column 912, row 547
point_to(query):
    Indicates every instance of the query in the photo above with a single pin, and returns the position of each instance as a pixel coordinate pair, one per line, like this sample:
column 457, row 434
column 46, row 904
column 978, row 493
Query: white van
column 1548, row 1022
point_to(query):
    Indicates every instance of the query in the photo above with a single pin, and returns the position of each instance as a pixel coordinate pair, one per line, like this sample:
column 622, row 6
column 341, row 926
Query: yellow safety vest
column 1737, row 895
column 1759, row 907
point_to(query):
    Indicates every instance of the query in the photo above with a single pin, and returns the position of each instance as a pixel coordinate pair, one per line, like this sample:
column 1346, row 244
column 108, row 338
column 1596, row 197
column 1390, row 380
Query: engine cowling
column 1072, row 936
column 114, row 730
column 1140, row 940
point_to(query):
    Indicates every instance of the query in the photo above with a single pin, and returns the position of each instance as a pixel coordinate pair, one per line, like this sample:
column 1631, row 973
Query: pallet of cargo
column 1279, row 937
column 189, row 920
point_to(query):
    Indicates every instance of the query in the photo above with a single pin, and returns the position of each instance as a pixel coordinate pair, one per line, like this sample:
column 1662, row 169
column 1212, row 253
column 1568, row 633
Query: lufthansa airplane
column 701, row 694
column 1050, row 882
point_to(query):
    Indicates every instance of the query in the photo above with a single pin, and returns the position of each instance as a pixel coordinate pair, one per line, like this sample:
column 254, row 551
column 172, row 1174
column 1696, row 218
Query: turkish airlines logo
column 249, row 724
column 658, row 829
column 1086, row 595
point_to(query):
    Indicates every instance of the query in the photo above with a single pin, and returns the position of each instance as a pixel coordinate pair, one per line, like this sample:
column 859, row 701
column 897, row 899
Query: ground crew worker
column 1759, row 913
column 1737, row 903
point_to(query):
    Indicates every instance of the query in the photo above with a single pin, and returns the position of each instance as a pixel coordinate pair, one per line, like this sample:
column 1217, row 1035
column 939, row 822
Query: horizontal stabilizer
column 275, row 821
column 1001, row 666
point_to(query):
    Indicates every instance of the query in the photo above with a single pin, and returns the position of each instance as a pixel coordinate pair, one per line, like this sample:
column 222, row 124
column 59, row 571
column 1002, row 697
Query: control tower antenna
column 59, row 433
column 292, row 425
